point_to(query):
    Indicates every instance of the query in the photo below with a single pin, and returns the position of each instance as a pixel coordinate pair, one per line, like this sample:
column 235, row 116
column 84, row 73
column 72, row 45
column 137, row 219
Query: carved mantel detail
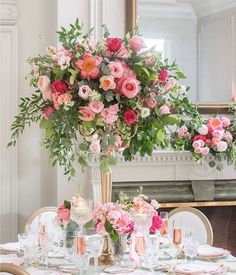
column 8, row 12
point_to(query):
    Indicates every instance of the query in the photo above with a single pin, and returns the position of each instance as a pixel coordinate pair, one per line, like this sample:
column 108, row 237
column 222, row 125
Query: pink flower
column 113, row 44
column 215, row 124
column 63, row 213
column 187, row 135
column 183, row 132
column 130, row 87
column 156, row 223
column 149, row 62
column 63, row 57
column 225, row 121
column 170, row 84
column 198, row 151
column 203, row 130
column 222, row 146
column 218, row 134
column 44, row 86
column 95, row 147
column 130, row 117
column 88, row 66
column 136, row 43
column 64, row 98
column 84, row 91
column 96, row 106
column 164, row 109
column 228, row 136
column 116, row 68
column 197, row 137
column 59, row 87
column 47, row 111
column 163, row 76
column 100, row 228
column 205, row 151
column 118, row 141
column 107, row 82
column 36, row 69
column 198, row 143
column 123, row 53
column 86, row 113
column 108, row 117
column 114, row 109
column 215, row 141
column 151, row 102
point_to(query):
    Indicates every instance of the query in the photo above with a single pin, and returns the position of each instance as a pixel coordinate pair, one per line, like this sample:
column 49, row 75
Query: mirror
column 200, row 35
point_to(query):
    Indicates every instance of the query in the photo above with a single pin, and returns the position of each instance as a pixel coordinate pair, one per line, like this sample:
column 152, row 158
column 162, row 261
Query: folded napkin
column 211, row 251
column 11, row 259
column 200, row 269
column 10, row 247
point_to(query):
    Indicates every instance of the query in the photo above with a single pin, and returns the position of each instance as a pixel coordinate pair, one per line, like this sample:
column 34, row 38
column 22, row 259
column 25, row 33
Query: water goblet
column 95, row 245
column 82, row 255
column 190, row 249
column 151, row 251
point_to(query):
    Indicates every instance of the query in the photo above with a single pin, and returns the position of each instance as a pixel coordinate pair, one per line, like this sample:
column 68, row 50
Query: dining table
column 167, row 263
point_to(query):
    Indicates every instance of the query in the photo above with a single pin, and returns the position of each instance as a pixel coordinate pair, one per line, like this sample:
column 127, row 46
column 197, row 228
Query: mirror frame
column 131, row 22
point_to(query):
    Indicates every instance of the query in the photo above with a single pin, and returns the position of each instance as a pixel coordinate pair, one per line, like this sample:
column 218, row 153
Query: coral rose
column 64, row 98
column 130, row 117
column 130, row 87
column 86, row 114
column 113, row 44
column 59, row 87
column 107, row 82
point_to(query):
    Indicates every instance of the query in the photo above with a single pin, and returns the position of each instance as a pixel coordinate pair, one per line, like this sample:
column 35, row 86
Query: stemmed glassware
column 190, row 249
column 95, row 246
column 139, row 248
column 82, row 255
column 164, row 228
column 151, row 252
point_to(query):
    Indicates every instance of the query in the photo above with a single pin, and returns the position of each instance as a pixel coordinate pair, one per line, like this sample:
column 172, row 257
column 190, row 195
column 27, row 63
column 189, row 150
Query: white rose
column 203, row 130
column 222, row 146
column 145, row 112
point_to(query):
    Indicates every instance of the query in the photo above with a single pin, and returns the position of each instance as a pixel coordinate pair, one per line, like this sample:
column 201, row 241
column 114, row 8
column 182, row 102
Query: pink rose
column 114, row 109
column 59, row 87
column 198, row 150
column 222, row 146
column 170, row 84
column 228, row 136
column 136, row 43
column 95, row 147
column 84, row 91
column 117, row 69
column 225, row 121
column 198, row 143
column 205, row 151
column 123, row 53
column 44, row 86
column 114, row 44
column 130, row 87
column 163, row 76
column 86, row 113
column 64, row 98
column 96, row 106
column 156, row 223
column 130, row 117
column 63, row 213
column 108, row 117
column 165, row 109
column 217, row 134
column 151, row 102
column 47, row 111
column 215, row 141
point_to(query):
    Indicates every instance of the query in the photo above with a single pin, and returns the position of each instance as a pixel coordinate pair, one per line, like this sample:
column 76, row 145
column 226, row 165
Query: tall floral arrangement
column 121, row 97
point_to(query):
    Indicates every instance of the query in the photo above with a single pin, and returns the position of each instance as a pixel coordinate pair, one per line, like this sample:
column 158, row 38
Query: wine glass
column 164, row 228
column 95, row 246
column 191, row 249
column 151, row 252
column 82, row 255
column 139, row 247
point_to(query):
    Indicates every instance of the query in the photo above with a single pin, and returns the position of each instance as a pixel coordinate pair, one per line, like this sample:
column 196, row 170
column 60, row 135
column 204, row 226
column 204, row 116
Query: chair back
column 12, row 269
column 191, row 219
column 45, row 215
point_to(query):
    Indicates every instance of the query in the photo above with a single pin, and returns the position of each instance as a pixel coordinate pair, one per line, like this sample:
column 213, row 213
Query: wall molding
column 96, row 18
column 8, row 12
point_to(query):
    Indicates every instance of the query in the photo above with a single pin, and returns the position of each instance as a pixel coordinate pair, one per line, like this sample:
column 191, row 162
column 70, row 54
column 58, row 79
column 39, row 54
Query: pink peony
column 156, row 223
column 63, row 213
column 136, row 43
column 165, row 109
column 47, row 111
column 88, row 66
column 222, row 146
column 163, row 76
column 44, row 86
column 215, row 124
column 116, row 68
column 84, row 91
column 86, row 114
column 123, row 53
column 130, row 87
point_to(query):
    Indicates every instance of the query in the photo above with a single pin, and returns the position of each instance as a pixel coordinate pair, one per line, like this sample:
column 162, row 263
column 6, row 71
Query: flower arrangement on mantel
column 121, row 97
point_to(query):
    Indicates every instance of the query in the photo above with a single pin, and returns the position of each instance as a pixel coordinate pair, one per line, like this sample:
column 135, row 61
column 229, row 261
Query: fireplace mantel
column 162, row 166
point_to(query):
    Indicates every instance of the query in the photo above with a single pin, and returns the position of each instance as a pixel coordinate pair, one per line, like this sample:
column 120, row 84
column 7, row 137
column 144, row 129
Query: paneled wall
column 216, row 56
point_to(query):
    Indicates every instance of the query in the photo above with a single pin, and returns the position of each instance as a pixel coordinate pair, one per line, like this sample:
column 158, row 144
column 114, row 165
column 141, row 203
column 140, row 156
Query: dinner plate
column 211, row 252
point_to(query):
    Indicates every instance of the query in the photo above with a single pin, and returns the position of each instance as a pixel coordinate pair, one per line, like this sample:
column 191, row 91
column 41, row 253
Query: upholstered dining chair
column 191, row 219
column 12, row 269
column 45, row 214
